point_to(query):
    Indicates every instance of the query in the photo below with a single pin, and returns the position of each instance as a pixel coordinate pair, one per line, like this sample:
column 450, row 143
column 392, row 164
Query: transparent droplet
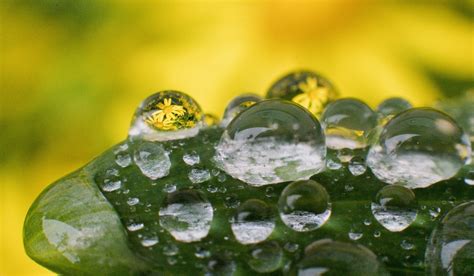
column 253, row 222
column 260, row 146
column 202, row 253
column 152, row 159
column 169, row 188
column 406, row 245
column 132, row 227
column 170, row 250
column 149, row 242
column 333, row 164
column 434, row 212
column 392, row 106
column 237, row 105
column 377, row 234
column 186, row 215
column 345, row 155
column 326, row 257
column 191, row 158
column 266, row 257
column 133, row 201
column 353, row 235
column 306, row 88
column 199, row 175
column 347, row 123
column 469, row 177
column 304, row 205
column 419, row 147
column 122, row 157
column 166, row 115
column 450, row 250
column 111, row 185
column 291, row 247
column 220, row 265
column 395, row 207
column 357, row 166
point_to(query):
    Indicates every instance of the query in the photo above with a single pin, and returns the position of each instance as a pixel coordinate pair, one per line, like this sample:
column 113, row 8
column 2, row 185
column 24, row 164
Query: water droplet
column 199, row 175
column 133, row 201
column 152, row 160
column 406, row 245
column 253, row 222
column 187, row 215
column 355, row 235
column 169, row 188
column 202, row 253
column 395, row 207
column 132, row 227
column 434, row 212
column 170, row 250
column 266, row 257
column 220, row 265
column 469, row 178
column 304, row 205
column 337, row 258
column 347, row 123
column 221, row 177
column 419, row 147
column 451, row 245
column 392, row 106
column 345, row 155
column 291, row 247
column 111, row 185
column 149, row 242
column 260, row 146
column 357, row 166
column 166, row 115
column 333, row 164
column 308, row 89
column 237, row 105
column 122, row 157
column 172, row 260
column 191, row 158
column 367, row 222
column 377, row 234
column 232, row 201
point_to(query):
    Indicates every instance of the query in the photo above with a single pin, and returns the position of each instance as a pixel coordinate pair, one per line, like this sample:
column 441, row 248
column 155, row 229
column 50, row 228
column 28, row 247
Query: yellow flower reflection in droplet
column 314, row 97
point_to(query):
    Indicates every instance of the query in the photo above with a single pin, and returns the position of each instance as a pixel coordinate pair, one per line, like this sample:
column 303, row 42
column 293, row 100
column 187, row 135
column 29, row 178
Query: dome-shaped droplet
column 357, row 166
column 186, row 215
column 152, row 159
column 392, row 106
column 166, row 115
column 237, row 105
column 395, row 207
column 450, row 250
column 306, row 88
column 272, row 141
column 326, row 257
column 347, row 123
column 469, row 177
column 304, row 205
column 265, row 257
column 253, row 222
column 419, row 147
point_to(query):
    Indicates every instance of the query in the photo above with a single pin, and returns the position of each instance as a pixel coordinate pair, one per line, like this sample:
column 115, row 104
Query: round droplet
column 419, row 147
column 395, row 207
column 152, row 159
column 469, row 177
column 220, row 265
column 253, row 222
column 450, row 250
column 186, row 215
column 266, row 257
column 306, row 88
column 347, row 123
column 199, row 175
column 166, row 115
column 133, row 201
column 261, row 146
column 237, row 105
column 149, row 242
column 357, row 166
column 333, row 164
column 122, row 157
column 353, row 235
column 304, row 205
column 406, row 245
column 132, row 227
column 191, row 158
column 392, row 106
column 326, row 257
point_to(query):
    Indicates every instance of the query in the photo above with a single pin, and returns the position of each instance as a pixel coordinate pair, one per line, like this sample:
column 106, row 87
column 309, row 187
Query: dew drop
column 357, row 166
column 123, row 159
column 260, row 146
column 170, row 250
column 333, row 164
column 377, row 234
column 220, row 265
column 152, row 160
column 133, row 201
column 406, row 245
column 306, row 88
column 469, row 178
column 347, row 123
column 434, row 212
column 419, row 147
column 186, row 215
column 191, row 158
column 166, row 115
column 266, row 257
column 337, row 258
column 111, row 185
column 149, row 242
column 202, row 253
column 169, row 188
column 253, row 222
column 199, row 175
column 132, row 227
column 291, row 247
column 237, row 105
column 392, row 106
column 355, row 235
column 304, row 205
column 395, row 208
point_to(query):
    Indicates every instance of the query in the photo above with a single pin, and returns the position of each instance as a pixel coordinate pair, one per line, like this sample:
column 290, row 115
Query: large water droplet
column 266, row 257
column 347, row 123
column 306, row 88
column 273, row 141
column 237, row 105
column 419, row 147
column 304, row 205
column 392, row 106
column 253, row 222
column 166, row 115
column 152, row 159
column 450, row 250
column 326, row 257
column 395, row 207
column 187, row 215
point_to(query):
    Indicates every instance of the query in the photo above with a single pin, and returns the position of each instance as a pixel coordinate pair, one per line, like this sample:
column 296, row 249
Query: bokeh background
column 73, row 71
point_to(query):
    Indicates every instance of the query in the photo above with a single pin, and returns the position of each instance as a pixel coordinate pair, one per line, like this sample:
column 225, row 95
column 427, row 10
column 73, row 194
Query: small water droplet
column 304, row 205
column 266, row 257
column 132, row 227
column 149, row 242
column 406, row 245
column 253, row 222
column 202, row 253
column 170, row 250
column 237, row 105
column 333, row 164
column 367, row 222
column 469, row 178
column 377, row 234
column 133, row 201
column 111, row 185
column 357, row 166
column 191, row 158
column 221, row 177
column 232, row 201
column 355, row 235
column 169, row 188
column 291, row 247
column 199, row 175
column 392, row 106
column 434, row 212
column 152, row 160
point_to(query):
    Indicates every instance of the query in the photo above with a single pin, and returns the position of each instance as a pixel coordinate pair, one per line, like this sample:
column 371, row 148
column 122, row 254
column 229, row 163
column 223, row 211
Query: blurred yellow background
column 73, row 71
